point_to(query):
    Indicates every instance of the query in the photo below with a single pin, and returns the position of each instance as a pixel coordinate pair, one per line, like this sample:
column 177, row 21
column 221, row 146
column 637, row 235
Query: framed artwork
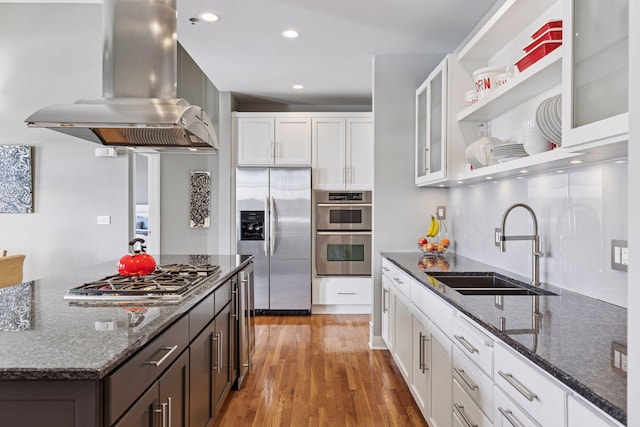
column 15, row 307
column 200, row 200
column 16, row 182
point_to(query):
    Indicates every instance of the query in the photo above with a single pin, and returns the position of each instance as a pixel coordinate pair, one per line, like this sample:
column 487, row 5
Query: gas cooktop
column 168, row 283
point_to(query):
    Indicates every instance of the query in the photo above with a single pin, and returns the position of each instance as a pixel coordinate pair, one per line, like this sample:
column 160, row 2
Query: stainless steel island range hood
column 139, row 86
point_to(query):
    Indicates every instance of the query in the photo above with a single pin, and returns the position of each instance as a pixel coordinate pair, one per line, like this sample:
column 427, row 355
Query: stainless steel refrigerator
column 273, row 210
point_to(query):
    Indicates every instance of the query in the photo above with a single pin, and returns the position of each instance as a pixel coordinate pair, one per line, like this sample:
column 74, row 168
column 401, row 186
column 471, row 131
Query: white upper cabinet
column 264, row 140
column 343, row 152
column 438, row 142
column 595, row 108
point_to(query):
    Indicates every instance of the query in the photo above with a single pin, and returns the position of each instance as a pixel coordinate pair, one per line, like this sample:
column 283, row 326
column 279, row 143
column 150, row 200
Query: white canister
column 470, row 97
column 485, row 79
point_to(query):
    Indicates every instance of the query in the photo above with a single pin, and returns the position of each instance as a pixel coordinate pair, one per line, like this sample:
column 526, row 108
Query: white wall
column 400, row 209
column 579, row 211
column 52, row 54
column 633, row 315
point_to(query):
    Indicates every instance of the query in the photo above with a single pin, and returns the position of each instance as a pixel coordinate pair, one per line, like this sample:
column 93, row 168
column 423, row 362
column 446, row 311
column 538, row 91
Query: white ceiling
column 244, row 52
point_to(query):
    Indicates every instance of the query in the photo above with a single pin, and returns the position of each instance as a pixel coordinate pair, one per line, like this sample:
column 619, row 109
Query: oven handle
column 343, row 233
column 343, row 205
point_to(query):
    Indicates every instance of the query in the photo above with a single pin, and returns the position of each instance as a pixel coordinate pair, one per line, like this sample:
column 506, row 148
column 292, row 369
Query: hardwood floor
column 319, row 371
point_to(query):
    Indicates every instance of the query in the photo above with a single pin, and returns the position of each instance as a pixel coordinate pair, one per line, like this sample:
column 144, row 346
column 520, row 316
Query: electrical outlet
column 103, row 220
column 441, row 212
column 497, row 236
column 619, row 255
column 619, row 358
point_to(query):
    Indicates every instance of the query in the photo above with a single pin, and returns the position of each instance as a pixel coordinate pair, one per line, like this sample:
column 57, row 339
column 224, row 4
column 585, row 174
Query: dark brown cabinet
column 166, row 403
column 212, row 371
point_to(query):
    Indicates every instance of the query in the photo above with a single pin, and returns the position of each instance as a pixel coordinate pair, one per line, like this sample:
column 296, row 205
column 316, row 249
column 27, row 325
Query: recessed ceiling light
column 488, row 177
column 560, row 171
column 525, row 171
column 209, row 17
column 620, row 161
column 290, row 34
column 519, row 177
column 576, row 162
column 441, row 185
column 298, row 87
column 460, row 182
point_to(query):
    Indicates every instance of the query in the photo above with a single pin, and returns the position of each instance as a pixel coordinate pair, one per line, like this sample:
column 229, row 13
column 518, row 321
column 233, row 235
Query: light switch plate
column 103, row 220
column 619, row 255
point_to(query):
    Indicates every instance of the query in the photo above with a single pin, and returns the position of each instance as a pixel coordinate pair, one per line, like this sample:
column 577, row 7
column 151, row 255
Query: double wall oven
column 343, row 233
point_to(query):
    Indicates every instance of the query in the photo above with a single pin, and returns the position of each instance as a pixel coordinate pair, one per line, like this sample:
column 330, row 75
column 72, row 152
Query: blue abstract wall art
column 16, row 183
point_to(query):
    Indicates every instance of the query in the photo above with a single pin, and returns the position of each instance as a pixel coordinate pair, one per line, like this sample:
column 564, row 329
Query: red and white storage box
column 546, row 39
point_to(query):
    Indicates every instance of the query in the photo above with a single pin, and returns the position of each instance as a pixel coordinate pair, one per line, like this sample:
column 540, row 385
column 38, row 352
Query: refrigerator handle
column 266, row 237
column 274, row 223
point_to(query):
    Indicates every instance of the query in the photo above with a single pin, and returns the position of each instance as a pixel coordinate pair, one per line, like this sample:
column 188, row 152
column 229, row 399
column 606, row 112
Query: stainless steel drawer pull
column 398, row 281
column 460, row 410
column 423, row 352
column 385, row 299
column 347, row 293
column 465, row 378
column 466, row 344
column 163, row 358
column 508, row 415
column 215, row 361
column 518, row 386
column 220, row 353
column 386, row 269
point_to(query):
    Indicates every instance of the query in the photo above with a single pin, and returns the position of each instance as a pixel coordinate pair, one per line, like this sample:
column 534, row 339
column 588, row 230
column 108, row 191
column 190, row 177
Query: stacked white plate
column 549, row 119
column 508, row 151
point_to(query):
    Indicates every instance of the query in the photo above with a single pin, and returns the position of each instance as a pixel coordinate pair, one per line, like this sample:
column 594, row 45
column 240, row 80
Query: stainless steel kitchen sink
column 489, row 284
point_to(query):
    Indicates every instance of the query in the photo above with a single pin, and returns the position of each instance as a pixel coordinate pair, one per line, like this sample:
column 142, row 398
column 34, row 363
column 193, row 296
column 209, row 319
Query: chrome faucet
column 535, row 238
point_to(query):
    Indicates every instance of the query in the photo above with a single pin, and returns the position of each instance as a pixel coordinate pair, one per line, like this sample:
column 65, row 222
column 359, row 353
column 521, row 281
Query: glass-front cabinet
column 595, row 72
column 431, row 114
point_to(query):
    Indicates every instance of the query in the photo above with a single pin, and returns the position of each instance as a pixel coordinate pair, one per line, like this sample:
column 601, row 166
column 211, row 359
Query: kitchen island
column 61, row 360
column 575, row 339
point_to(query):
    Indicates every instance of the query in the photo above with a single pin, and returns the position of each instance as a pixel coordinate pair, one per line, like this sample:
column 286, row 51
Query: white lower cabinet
column 402, row 332
column 529, row 387
column 465, row 408
column 441, row 357
column 421, row 367
column 581, row 413
column 386, row 310
column 462, row 375
column 473, row 381
column 508, row 414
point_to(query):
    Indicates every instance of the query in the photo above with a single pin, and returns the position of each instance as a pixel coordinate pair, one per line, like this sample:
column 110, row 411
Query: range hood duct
column 139, row 84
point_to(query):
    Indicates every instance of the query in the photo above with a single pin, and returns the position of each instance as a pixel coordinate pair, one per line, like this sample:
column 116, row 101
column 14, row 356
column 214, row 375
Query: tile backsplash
column 579, row 212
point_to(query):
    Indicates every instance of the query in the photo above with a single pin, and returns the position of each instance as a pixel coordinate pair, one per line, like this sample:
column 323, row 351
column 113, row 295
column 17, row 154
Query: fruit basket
column 437, row 240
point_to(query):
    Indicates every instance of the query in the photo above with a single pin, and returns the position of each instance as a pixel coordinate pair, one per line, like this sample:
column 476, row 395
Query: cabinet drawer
column 440, row 312
column 474, row 343
column 474, row 382
column 419, row 296
column 400, row 280
column 223, row 295
column 529, row 387
column 466, row 410
column 200, row 316
column 508, row 414
column 345, row 291
column 128, row 382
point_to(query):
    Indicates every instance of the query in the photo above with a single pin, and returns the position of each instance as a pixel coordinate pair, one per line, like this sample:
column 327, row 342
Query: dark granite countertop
column 575, row 338
column 43, row 336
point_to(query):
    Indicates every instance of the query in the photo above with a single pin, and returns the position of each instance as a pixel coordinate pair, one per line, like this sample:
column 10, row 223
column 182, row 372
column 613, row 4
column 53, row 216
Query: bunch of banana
column 434, row 227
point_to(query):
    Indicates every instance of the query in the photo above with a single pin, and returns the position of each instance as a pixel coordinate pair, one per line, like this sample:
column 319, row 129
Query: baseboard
column 377, row 343
column 341, row 309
